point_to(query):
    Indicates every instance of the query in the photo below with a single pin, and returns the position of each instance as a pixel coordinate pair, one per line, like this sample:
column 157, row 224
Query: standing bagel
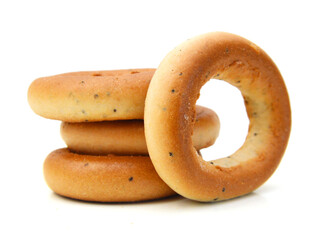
column 170, row 113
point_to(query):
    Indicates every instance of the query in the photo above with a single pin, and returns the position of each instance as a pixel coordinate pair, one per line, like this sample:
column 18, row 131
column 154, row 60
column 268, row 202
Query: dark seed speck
column 173, row 90
column 130, row 179
column 114, row 110
column 223, row 189
column 96, row 95
column 215, row 199
column 170, row 154
column 180, row 74
column 255, row 134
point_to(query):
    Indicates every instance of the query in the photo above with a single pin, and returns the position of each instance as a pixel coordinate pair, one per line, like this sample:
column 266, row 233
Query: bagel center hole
column 227, row 101
column 96, row 74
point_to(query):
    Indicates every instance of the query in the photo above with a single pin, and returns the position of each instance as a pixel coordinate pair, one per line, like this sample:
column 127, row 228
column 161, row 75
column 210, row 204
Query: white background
column 41, row 38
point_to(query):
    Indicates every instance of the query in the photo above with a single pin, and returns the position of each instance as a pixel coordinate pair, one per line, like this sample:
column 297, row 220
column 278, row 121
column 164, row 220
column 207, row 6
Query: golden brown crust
column 91, row 96
column 127, row 137
column 103, row 178
column 176, row 85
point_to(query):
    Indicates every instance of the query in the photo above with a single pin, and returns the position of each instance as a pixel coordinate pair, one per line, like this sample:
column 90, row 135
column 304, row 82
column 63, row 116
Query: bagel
column 91, row 96
column 103, row 178
column 127, row 137
column 175, row 87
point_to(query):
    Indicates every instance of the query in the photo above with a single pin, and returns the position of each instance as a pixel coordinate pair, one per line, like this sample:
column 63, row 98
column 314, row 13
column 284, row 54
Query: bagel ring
column 103, row 178
column 127, row 137
column 175, row 87
column 91, row 96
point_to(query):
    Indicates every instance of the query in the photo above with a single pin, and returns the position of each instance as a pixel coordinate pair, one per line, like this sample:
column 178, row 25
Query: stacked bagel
column 106, row 158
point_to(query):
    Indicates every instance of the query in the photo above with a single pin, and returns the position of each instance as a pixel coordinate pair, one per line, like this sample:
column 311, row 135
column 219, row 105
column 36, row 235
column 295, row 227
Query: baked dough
column 176, row 85
column 91, row 96
column 103, row 178
column 127, row 137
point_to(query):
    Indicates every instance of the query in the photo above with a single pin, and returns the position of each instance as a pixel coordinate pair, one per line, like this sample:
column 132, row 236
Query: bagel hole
column 228, row 103
column 96, row 74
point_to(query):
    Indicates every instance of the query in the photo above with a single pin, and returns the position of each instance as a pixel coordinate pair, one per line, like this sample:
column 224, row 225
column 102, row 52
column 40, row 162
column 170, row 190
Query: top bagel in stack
column 91, row 96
